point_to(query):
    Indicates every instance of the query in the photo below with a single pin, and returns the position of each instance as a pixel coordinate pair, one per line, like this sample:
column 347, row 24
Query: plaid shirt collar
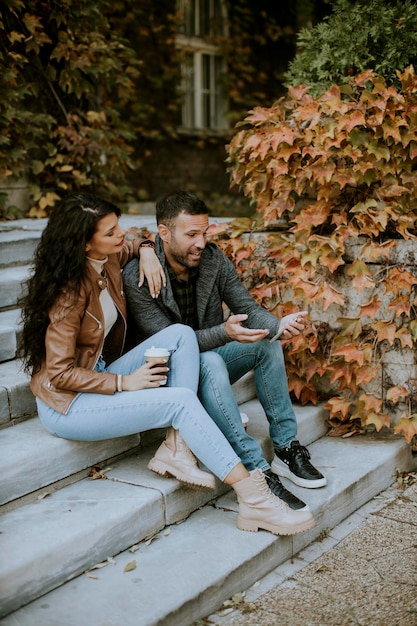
column 185, row 295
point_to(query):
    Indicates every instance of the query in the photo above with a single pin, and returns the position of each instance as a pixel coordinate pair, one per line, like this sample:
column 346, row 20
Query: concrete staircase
column 88, row 536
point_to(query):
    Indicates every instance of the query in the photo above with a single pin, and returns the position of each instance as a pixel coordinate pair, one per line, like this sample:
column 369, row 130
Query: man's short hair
column 170, row 205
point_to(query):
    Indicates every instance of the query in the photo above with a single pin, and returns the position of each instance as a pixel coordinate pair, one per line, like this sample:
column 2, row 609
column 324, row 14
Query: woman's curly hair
column 59, row 263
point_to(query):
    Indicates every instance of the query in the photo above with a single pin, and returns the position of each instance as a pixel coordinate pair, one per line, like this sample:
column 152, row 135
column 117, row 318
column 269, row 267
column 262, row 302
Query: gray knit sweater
column 218, row 283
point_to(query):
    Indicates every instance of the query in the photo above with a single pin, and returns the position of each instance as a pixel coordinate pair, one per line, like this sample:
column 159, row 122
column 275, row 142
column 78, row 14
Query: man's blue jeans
column 220, row 368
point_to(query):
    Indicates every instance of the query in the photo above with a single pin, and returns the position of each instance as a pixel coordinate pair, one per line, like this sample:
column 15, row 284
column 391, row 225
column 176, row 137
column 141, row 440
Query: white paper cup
column 157, row 356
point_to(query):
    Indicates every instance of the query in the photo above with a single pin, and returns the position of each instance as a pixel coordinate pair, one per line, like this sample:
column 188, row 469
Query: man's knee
column 213, row 367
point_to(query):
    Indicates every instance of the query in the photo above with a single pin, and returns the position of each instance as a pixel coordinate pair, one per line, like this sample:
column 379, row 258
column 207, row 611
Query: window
column 203, row 67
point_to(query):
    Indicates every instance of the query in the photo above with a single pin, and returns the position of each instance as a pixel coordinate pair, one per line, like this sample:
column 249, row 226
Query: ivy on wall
column 340, row 169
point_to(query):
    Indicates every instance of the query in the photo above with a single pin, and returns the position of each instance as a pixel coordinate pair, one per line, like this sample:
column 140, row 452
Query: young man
column 200, row 281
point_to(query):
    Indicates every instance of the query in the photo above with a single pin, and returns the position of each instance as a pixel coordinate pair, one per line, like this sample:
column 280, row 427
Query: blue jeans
column 220, row 368
column 94, row 416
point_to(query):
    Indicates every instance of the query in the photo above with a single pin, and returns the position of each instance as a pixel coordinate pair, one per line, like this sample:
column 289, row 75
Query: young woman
column 74, row 325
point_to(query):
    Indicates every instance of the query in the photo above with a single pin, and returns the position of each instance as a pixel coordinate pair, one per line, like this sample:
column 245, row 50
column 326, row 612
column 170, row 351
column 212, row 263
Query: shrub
column 367, row 34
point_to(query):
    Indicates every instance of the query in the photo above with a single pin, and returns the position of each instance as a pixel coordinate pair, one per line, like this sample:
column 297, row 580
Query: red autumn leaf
column 350, row 120
column 400, row 278
column 298, row 92
column 407, row 426
column 281, row 134
column 371, row 307
column 309, row 113
column 350, row 352
column 258, row 115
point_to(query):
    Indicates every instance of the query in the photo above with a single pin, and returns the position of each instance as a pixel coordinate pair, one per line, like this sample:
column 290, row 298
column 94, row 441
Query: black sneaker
column 281, row 492
column 293, row 463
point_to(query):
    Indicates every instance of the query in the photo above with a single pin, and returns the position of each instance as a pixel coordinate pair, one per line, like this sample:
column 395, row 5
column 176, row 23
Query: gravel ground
column 368, row 578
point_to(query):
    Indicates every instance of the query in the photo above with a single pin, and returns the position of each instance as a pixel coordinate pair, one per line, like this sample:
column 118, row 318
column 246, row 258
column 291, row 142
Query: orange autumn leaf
column 330, row 296
column 370, row 402
column 395, row 393
column 350, row 352
column 405, row 338
column 338, row 405
column 379, row 420
column 365, row 374
column 400, row 305
column 385, row 330
column 407, row 426
column 374, row 251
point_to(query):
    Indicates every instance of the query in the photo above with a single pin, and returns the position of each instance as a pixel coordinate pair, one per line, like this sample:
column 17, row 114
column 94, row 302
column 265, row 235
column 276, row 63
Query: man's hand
column 237, row 332
column 293, row 325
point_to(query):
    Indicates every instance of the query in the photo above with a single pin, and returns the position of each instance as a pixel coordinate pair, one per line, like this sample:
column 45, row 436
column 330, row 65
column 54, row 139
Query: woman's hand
column 293, row 324
column 151, row 269
column 145, row 377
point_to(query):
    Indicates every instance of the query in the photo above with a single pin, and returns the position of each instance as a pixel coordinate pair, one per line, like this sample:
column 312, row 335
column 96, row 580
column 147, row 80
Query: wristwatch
column 147, row 243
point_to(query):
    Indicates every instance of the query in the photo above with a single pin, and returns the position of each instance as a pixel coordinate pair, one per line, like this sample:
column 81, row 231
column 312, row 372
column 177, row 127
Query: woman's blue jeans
column 220, row 368
column 93, row 416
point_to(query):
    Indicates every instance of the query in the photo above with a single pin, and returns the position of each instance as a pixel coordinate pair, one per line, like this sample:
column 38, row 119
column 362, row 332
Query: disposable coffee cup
column 157, row 356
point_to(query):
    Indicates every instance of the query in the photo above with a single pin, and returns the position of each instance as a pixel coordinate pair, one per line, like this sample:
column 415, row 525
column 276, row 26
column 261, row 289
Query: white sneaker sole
column 281, row 469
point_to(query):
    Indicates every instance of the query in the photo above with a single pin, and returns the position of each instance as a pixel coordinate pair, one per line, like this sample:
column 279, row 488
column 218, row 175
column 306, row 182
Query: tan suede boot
column 174, row 458
column 260, row 508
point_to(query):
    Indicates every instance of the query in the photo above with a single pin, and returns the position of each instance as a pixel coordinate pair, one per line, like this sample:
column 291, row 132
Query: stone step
column 9, row 328
column 192, row 568
column 32, row 459
column 12, row 280
column 18, row 240
column 16, row 399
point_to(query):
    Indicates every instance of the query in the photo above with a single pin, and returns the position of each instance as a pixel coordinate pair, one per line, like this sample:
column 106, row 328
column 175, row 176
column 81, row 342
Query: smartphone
column 277, row 336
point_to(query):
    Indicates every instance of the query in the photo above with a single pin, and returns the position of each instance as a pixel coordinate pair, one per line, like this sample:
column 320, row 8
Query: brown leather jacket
column 74, row 338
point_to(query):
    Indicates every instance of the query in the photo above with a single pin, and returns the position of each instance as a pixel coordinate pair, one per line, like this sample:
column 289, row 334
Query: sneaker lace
column 298, row 449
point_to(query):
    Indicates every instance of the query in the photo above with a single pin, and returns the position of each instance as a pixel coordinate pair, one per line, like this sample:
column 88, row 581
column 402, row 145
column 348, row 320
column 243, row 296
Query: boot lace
column 262, row 483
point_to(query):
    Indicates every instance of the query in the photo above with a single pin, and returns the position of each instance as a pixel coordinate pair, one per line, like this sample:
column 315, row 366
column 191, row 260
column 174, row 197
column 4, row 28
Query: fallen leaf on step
column 43, row 495
column 130, row 566
column 90, row 575
column 150, row 539
column 99, row 565
column 134, row 548
column 97, row 473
